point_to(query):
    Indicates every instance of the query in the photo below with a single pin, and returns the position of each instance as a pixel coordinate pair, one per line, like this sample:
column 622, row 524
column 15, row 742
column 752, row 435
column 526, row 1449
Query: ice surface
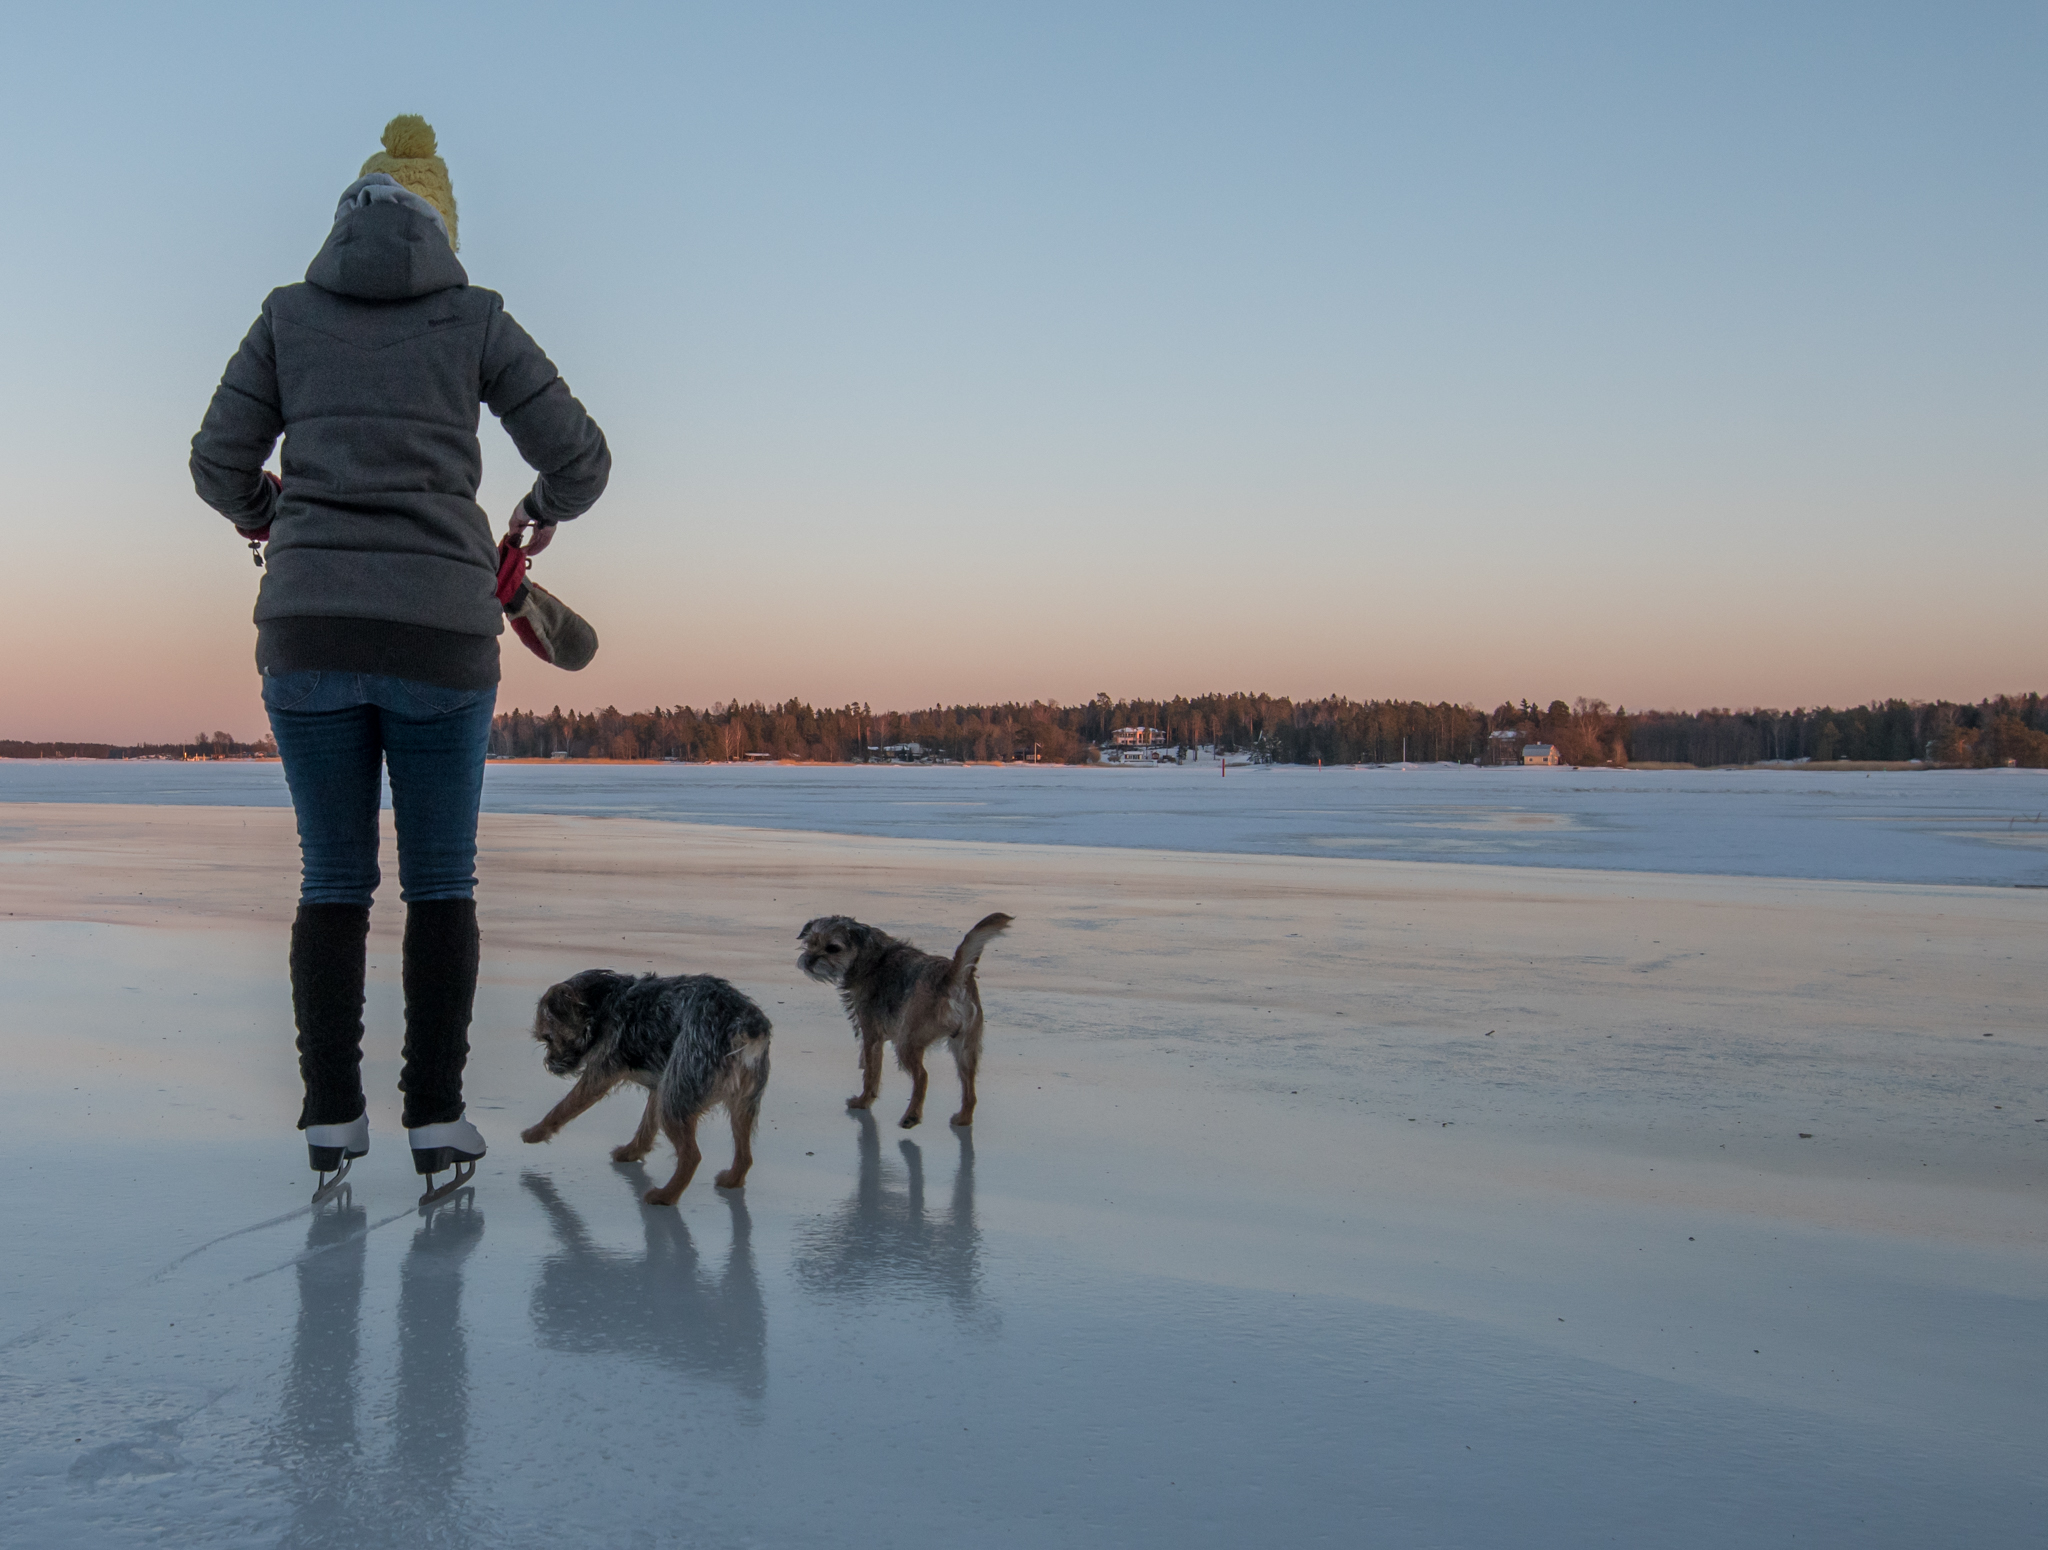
column 1934, row 826
column 1260, row 1238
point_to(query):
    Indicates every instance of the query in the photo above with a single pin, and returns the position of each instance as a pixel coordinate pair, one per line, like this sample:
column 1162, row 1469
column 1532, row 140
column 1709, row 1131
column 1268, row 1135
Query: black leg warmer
column 328, row 943
column 440, row 987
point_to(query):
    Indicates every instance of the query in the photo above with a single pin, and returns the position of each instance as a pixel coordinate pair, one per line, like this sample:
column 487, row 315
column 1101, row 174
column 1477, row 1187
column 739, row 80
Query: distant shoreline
column 1837, row 766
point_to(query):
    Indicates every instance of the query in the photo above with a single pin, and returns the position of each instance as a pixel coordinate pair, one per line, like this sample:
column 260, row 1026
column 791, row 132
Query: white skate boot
column 455, row 1145
column 331, row 1148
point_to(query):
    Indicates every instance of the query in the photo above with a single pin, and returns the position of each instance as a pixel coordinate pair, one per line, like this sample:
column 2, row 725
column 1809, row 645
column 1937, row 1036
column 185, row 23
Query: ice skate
column 456, row 1145
column 331, row 1148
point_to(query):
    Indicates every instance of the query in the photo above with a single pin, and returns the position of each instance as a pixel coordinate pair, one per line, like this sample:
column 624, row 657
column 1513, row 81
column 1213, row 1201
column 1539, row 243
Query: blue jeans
column 333, row 732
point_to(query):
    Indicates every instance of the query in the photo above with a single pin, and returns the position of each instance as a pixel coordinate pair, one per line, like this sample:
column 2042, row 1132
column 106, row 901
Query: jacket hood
column 388, row 244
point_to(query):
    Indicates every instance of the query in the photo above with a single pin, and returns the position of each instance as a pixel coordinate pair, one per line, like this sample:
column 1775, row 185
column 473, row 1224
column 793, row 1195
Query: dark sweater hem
column 310, row 644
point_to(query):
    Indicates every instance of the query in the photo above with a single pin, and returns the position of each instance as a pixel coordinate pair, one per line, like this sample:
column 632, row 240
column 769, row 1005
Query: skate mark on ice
column 329, row 1248
column 30, row 1336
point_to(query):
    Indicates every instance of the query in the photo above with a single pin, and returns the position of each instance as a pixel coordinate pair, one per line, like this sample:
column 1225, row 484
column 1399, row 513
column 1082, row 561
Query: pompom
column 409, row 137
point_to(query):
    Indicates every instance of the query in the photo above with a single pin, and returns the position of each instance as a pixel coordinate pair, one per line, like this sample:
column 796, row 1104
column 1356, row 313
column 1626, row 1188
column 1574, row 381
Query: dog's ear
column 559, row 1004
column 594, row 987
column 577, row 999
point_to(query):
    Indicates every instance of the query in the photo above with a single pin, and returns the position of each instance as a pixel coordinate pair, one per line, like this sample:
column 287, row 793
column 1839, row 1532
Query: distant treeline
column 1284, row 731
column 2006, row 729
column 207, row 745
column 1256, row 724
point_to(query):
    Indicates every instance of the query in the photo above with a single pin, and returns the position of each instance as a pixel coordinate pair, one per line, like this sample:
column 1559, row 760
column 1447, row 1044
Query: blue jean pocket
column 282, row 691
column 432, row 700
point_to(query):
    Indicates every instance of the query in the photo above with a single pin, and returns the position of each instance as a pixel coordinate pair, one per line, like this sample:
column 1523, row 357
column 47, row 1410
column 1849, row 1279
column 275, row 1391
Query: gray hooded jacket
column 380, row 559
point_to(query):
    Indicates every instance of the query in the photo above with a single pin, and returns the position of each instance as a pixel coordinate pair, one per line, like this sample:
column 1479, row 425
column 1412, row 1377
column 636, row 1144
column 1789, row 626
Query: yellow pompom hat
column 408, row 157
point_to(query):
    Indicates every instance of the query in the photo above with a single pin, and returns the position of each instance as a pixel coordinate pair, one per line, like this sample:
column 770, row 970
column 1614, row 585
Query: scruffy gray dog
column 895, row 994
column 692, row 1041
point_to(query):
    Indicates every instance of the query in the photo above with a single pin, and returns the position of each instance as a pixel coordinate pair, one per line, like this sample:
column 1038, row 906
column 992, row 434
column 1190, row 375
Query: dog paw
column 731, row 1178
column 963, row 1120
column 534, row 1133
column 859, row 1103
column 911, row 1121
column 627, row 1154
column 655, row 1197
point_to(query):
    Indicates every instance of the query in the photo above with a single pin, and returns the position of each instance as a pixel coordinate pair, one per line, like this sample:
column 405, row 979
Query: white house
column 1136, row 745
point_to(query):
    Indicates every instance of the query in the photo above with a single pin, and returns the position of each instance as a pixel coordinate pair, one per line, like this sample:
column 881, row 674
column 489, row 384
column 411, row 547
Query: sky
column 1675, row 356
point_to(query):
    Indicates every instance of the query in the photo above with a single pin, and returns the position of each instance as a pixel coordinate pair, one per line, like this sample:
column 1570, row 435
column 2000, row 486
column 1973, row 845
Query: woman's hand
column 543, row 532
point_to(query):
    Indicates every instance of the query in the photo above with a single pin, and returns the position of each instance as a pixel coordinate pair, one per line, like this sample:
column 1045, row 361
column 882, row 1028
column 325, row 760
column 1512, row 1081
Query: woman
column 377, row 622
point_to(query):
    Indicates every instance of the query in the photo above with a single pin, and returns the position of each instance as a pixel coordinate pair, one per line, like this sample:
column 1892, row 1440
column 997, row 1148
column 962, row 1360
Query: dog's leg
column 683, row 1134
column 589, row 1087
column 744, row 1109
column 870, row 1075
column 966, row 1059
column 913, row 1062
column 643, row 1138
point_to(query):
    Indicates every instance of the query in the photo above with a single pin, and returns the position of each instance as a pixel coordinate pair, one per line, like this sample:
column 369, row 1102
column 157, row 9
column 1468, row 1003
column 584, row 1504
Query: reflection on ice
column 430, row 1444
column 660, row 1304
column 337, row 1498
column 881, row 1242
column 315, row 1441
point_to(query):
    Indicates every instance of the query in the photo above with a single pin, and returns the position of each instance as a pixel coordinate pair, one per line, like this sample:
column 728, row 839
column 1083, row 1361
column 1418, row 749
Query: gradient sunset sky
column 1675, row 355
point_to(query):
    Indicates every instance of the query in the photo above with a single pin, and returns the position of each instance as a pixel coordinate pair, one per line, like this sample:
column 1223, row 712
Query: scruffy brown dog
column 895, row 994
column 692, row 1041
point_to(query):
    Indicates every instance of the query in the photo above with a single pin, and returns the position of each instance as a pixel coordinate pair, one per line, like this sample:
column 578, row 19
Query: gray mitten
column 552, row 630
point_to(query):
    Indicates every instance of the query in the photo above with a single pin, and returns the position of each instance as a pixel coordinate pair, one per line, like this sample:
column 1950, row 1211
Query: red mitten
column 550, row 628
column 512, row 563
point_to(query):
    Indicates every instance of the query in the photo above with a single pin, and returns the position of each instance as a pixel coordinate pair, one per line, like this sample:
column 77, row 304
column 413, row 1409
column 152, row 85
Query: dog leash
column 259, row 536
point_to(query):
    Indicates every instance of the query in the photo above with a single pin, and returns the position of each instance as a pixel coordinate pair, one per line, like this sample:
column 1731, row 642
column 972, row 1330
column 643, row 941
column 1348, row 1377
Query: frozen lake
column 1309, row 1202
column 1982, row 827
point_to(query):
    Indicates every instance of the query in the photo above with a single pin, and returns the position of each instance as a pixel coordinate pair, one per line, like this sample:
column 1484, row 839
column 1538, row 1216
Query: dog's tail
column 968, row 953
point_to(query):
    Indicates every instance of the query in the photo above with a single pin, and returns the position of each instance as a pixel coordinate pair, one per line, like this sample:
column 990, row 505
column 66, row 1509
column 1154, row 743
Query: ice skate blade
column 329, row 1185
column 464, row 1172
column 436, row 1203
